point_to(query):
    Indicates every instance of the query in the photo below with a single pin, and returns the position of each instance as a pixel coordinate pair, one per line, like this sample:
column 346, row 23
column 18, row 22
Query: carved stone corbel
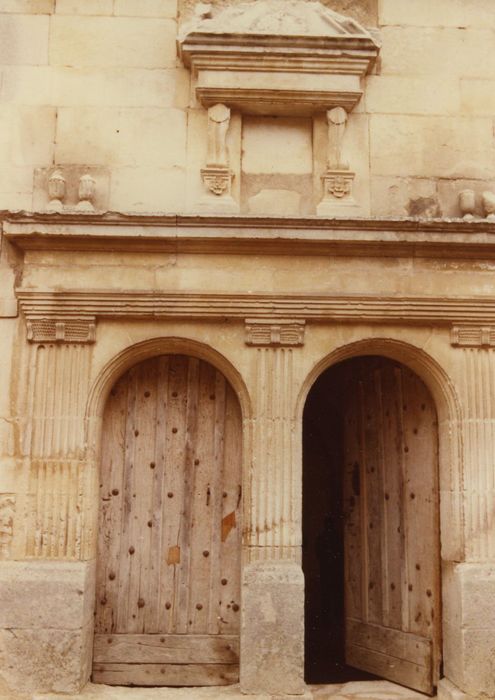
column 338, row 179
column 217, row 175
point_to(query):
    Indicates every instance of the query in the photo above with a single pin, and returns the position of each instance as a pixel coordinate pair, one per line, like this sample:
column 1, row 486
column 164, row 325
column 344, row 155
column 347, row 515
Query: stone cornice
column 38, row 304
column 451, row 238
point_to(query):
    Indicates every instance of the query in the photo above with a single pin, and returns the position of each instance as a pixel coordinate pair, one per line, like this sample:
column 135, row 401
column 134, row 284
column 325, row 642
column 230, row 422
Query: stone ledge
column 444, row 238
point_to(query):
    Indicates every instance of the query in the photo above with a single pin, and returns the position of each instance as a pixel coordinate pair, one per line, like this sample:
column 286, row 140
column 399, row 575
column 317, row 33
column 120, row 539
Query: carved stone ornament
column 338, row 178
column 473, row 336
column 7, row 512
column 278, row 57
column 49, row 330
column 217, row 180
column 275, row 333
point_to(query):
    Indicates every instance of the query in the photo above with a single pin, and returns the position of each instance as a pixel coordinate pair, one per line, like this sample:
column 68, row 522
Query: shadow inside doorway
column 323, row 533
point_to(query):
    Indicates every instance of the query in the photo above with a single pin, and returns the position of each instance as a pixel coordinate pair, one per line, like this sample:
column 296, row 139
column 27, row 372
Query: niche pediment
column 278, row 57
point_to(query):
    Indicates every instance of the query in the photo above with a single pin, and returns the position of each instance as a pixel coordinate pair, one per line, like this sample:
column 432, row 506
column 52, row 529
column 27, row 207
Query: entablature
column 246, row 235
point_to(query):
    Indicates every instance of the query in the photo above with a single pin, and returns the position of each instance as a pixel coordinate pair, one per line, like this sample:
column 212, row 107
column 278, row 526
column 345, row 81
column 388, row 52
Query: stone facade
column 271, row 221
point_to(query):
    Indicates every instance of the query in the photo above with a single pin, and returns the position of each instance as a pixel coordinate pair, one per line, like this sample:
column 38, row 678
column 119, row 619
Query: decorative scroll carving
column 473, row 336
column 279, row 333
column 7, row 511
column 49, row 330
column 338, row 178
column 217, row 180
column 217, row 175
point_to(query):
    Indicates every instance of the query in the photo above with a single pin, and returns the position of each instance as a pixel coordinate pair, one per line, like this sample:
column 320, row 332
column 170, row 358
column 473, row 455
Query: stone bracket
column 51, row 330
column 279, row 333
column 473, row 336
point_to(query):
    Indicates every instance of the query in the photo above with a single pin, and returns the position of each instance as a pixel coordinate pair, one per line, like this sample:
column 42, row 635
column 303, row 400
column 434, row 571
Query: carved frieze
column 275, row 333
column 50, row 330
column 473, row 336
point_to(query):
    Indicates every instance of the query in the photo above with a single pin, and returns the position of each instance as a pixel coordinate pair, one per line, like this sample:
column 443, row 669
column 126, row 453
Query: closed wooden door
column 169, row 539
column 391, row 526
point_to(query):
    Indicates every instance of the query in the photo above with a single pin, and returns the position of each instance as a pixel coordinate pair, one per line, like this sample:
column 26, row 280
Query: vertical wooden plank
column 144, row 433
column 110, row 514
column 393, row 493
column 181, row 436
column 421, row 451
column 203, row 502
column 229, row 570
column 372, row 498
column 157, row 614
column 216, row 503
column 127, row 544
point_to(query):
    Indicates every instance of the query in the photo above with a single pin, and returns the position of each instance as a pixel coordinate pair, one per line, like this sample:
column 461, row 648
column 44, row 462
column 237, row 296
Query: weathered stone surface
column 88, row 7
column 121, row 137
column 23, row 39
column 45, row 660
column 431, row 146
column 150, row 8
column 84, row 41
column 272, row 628
column 36, row 7
column 46, row 595
column 441, row 13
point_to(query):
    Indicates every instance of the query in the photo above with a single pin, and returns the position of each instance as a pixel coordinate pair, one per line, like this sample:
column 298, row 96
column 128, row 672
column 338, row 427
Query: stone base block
column 272, row 629
column 469, row 627
column 46, row 660
column 46, row 625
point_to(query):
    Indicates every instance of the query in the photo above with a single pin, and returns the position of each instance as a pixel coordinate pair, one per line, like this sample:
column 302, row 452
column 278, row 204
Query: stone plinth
column 272, row 628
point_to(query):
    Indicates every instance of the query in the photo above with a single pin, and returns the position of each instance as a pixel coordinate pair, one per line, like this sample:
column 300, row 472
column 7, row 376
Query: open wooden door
column 391, row 529
column 168, row 567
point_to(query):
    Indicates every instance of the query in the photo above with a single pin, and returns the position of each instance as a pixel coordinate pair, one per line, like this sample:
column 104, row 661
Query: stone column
column 469, row 583
column 47, row 598
column 272, row 632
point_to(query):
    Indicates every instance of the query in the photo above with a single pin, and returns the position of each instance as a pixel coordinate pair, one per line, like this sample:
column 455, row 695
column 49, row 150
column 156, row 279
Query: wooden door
column 391, row 530
column 169, row 539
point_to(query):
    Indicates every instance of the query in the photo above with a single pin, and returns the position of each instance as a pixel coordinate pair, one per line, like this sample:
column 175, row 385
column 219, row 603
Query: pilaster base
column 469, row 628
column 272, row 629
column 46, row 625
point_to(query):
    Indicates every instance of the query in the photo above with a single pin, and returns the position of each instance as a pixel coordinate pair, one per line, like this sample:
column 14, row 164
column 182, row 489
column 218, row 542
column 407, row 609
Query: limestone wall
column 98, row 83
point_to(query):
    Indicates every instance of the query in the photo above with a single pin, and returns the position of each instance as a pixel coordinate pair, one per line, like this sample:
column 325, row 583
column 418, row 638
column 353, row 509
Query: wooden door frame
column 106, row 379
column 450, row 462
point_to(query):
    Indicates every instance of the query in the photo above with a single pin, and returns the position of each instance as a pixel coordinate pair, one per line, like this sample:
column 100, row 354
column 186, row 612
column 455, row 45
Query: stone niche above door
column 274, row 83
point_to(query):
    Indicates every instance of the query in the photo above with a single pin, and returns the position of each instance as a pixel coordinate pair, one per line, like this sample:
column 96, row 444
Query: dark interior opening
column 323, row 531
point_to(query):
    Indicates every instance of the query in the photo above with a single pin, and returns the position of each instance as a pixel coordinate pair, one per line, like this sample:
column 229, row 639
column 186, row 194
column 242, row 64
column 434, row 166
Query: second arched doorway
column 169, row 534
column 371, row 526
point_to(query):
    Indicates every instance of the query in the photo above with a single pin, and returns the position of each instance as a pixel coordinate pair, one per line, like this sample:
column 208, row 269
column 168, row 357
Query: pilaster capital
column 275, row 332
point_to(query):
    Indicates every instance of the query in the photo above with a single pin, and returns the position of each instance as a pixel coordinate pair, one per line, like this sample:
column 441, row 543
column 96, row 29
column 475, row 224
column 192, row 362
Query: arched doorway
column 169, row 534
column 371, row 526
